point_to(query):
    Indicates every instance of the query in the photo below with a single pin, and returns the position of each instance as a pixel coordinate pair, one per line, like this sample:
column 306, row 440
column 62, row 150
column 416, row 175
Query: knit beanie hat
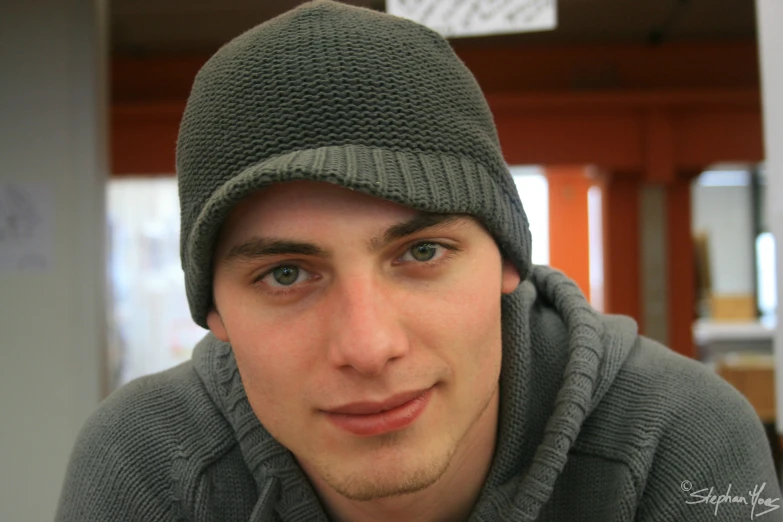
column 346, row 95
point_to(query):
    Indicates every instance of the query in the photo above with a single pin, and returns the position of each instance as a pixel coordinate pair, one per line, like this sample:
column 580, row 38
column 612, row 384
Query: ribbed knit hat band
column 330, row 92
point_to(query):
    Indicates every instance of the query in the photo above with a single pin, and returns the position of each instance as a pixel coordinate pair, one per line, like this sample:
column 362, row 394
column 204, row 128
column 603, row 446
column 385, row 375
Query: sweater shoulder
column 659, row 393
column 167, row 413
column 172, row 408
column 673, row 383
column 678, row 391
column 700, row 435
column 144, row 449
column 670, row 418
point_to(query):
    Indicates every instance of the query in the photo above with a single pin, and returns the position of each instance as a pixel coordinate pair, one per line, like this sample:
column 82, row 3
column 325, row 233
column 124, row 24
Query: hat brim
column 428, row 181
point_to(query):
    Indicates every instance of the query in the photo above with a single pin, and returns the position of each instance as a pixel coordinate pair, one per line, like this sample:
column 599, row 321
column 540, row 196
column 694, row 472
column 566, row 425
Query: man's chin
column 385, row 471
column 379, row 484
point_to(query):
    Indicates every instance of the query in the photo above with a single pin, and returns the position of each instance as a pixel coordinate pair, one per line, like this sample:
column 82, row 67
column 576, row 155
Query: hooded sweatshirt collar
column 559, row 358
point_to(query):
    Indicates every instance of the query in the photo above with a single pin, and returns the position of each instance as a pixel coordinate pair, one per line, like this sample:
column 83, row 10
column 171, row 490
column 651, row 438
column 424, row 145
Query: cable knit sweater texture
column 597, row 424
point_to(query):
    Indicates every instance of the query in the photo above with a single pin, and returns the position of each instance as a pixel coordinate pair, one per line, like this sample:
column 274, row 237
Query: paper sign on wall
column 26, row 221
column 478, row 17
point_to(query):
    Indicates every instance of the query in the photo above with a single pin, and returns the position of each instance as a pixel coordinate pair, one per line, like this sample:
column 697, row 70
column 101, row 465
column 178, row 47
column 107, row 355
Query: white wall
column 52, row 319
column 726, row 214
column 770, row 29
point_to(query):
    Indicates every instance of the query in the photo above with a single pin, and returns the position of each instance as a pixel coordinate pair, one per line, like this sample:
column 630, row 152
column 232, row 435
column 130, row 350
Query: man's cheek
column 264, row 375
column 271, row 401
column 465, row 311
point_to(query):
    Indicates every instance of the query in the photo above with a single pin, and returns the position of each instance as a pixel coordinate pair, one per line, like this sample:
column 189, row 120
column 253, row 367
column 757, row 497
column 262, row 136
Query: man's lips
column 368, row 407
column 367, row 419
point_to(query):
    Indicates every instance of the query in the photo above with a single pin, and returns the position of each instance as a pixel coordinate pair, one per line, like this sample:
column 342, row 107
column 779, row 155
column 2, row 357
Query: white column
column 52, row 317
column 770, row 34
column 653, row 252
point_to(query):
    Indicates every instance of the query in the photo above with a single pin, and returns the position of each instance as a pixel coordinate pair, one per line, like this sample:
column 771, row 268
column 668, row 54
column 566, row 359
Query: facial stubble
column 376, row 485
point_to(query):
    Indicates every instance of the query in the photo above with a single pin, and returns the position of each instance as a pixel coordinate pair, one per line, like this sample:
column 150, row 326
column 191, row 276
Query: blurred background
column 645, row 137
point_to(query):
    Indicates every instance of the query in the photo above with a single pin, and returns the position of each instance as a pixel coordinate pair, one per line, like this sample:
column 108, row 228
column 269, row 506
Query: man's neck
column 451, row 498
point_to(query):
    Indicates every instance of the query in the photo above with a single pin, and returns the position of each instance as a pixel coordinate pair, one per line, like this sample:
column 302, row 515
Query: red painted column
column 680, row 267
column 620, row 196
column 569, row 248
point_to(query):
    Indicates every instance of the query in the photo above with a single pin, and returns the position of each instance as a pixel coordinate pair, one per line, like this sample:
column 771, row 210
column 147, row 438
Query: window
column 534, row 193
column 151, row 327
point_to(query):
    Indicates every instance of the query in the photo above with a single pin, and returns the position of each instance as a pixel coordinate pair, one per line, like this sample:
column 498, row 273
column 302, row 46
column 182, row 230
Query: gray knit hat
column 346, row 95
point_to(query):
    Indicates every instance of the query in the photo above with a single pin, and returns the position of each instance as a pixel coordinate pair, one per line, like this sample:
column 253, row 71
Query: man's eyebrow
column 419, row 222
column 259, row 247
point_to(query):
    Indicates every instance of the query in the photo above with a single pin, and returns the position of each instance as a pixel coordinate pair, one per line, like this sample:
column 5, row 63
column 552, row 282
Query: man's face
column 368, row 342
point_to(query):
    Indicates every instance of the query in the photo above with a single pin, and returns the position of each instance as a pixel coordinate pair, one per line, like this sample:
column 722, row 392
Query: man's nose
column 365, row 332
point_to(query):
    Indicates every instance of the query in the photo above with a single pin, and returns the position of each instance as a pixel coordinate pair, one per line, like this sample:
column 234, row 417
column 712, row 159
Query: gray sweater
column 597, row 424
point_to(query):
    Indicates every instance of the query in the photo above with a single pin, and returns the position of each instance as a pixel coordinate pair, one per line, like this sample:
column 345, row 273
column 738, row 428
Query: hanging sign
column 478, row 17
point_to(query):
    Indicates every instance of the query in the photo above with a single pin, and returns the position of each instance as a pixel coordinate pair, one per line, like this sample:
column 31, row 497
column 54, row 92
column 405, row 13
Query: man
column 380, row 346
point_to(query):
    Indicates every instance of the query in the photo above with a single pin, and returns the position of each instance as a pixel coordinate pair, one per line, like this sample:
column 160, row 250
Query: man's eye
column 422, row 252
column 285, row 275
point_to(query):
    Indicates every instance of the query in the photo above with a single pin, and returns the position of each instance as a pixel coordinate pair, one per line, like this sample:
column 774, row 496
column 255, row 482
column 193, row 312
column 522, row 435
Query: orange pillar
column 569, row 248
column 620, row 196
column 680, row 267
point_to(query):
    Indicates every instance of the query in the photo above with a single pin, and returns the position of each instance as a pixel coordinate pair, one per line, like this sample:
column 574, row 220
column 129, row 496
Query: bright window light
column 151, row 326
column 724, row 178
column 534, row 192
column 767, row 281
column 596, row 242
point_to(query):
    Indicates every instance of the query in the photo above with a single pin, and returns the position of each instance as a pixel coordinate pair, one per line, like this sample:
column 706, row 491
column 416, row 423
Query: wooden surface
column 733, row 307
column 754, row 377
